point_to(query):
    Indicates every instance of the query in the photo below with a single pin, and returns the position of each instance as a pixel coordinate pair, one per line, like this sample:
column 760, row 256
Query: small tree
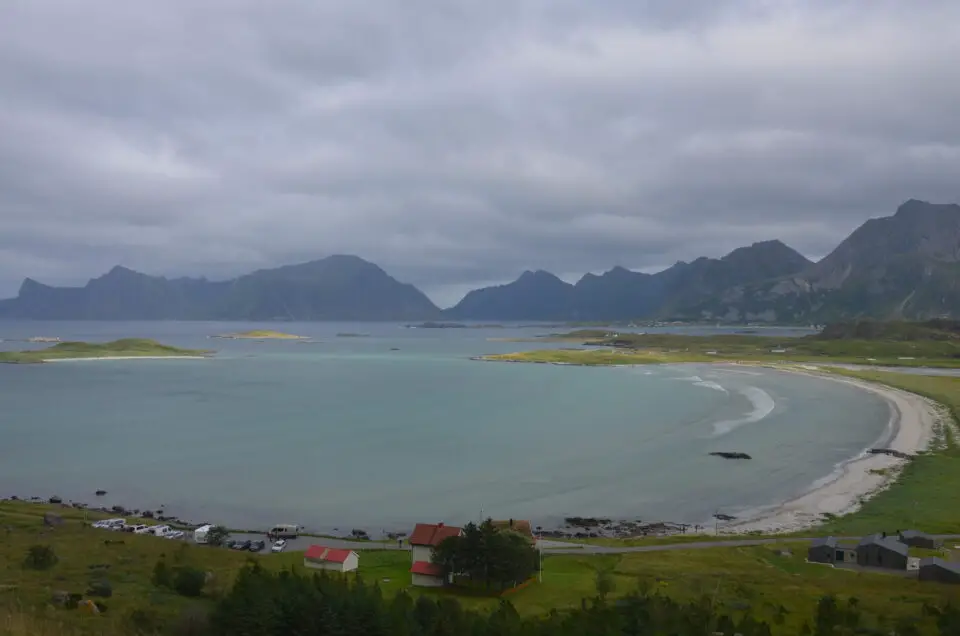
column 217, row 535
column 604, row 583
column 189, row 581
column 40, row 557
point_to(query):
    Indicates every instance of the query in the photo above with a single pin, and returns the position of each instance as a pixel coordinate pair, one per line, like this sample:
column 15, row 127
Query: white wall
column 351, row 564
column 421, row 580
column 422, row 553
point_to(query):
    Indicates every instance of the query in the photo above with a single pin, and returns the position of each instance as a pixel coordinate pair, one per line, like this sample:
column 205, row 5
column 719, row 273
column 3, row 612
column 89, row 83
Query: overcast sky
column 457, row 143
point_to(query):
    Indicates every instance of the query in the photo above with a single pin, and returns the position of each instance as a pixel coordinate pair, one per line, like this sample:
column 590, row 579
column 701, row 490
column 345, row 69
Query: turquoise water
column 350, row 433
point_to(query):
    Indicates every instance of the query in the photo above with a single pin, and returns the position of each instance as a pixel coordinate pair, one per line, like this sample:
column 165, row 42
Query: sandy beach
column 128, row 358
column 915, row 419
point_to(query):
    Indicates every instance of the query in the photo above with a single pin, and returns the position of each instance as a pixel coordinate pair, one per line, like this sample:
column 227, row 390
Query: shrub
column 217, row 535
column 40, row 557
column 189, row 581
column 162, row 576
column 142, row 621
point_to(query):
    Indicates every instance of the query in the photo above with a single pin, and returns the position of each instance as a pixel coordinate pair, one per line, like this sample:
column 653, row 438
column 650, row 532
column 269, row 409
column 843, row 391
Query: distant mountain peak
column 912, row 207
column 539, row 275
column 30, row 285
column 339, row 287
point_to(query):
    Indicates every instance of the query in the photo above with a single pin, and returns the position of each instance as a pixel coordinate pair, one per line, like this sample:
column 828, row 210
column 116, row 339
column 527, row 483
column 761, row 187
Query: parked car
column 144, row 530
column 160, row 530
column 231, row 544
column 173, row 534
column 279, row 546
column 242, row 545
column 137, row 527
column 256, row 546
column 285, row 531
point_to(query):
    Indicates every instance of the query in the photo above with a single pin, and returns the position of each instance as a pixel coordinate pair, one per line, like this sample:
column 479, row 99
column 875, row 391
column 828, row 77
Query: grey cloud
column 459, row 143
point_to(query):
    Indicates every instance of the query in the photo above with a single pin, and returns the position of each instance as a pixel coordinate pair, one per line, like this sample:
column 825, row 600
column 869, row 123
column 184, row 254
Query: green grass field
column 683, row 348
column 592, row 357
column 129, row 347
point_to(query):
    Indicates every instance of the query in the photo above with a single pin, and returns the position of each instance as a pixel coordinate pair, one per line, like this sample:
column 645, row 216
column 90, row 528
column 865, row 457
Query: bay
column 400, row 426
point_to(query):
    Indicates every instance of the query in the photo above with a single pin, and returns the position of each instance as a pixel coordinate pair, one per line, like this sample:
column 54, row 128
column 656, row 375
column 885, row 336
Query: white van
column 160, row 530
column 200, row 534
column 285, row 531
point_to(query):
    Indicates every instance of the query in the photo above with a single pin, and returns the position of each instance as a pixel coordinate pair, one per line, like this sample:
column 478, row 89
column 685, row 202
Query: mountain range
column 905, row 266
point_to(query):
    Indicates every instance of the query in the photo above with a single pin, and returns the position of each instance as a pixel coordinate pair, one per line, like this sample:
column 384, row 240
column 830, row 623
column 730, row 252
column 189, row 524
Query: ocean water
column 382, row 431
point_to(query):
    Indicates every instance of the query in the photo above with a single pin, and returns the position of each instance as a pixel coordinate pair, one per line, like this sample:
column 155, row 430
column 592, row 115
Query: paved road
column 584, row 548
column 300, row 544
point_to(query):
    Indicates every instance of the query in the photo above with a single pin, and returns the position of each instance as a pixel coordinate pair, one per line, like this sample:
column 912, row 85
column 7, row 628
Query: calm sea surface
column 349, row 432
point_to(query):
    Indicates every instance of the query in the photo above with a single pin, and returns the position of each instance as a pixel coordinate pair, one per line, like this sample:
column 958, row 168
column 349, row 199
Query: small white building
column 321, row 557
column 425, row 537
column 200, row 534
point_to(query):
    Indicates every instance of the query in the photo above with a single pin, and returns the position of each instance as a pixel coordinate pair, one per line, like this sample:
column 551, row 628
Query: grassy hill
column 126, row 347
column 933, row 343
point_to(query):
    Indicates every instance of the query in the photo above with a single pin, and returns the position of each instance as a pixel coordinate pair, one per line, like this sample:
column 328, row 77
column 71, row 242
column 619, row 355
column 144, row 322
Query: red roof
column 427, row 569
column 322, row 553
column 432, row 534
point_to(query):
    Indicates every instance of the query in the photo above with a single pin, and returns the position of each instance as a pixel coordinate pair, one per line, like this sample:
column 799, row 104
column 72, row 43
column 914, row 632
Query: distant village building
column 917, row 539
column 424, row 538
column 822, row 550
column 320, row 557
column 520, row 526
column 936, row 569
column 879, row 551
column 827, row 550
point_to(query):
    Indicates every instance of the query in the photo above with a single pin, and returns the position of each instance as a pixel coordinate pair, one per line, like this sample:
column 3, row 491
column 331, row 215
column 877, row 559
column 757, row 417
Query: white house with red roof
column 426, row 537
column 321, row 557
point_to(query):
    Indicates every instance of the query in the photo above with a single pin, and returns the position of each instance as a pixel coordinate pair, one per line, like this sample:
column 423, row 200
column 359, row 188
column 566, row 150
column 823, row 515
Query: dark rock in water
column 56, row 500
column 14, row 498
column 585, row 522
column 731, row 455
column 147, row 514
column 120, row 510
column 101, row 493
column 52, row 520
column 891, row 452
column 722, row 517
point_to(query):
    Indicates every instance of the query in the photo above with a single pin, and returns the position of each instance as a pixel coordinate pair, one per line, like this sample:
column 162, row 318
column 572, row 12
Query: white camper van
column 285, row 531
column 200, row 534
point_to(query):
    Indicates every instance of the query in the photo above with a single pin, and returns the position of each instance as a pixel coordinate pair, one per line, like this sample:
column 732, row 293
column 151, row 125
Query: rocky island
column 260, row 334
column 125, row 348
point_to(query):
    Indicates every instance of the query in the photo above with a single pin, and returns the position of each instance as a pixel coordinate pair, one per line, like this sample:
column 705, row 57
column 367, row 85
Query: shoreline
column 914, row 420
column 125, row 358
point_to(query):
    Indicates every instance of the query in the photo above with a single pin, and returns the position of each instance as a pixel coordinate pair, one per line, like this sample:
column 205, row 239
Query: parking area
column 301, row 543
